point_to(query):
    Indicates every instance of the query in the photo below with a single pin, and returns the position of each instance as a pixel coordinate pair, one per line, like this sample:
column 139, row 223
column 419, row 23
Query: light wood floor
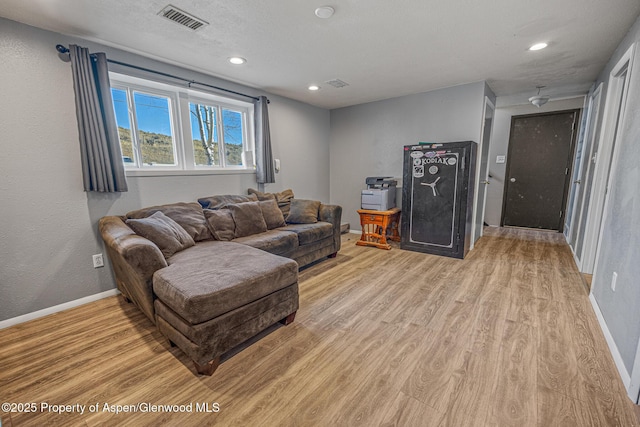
column 506, row 337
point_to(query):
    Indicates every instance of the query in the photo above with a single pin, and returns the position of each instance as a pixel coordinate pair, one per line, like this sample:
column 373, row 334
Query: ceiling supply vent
column 181, row 17
column 337, row 83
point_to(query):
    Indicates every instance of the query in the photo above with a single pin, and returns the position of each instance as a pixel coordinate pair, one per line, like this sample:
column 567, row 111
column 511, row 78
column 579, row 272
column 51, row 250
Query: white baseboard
column 617, row 358
column 56, row 308
column 358, row 232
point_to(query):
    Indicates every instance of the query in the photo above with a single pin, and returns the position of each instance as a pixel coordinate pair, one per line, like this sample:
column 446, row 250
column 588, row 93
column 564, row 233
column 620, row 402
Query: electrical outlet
column 614, row 279
column 98, row 261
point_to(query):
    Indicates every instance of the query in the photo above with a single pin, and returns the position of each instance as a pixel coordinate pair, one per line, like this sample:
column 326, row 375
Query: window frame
column 179, row 111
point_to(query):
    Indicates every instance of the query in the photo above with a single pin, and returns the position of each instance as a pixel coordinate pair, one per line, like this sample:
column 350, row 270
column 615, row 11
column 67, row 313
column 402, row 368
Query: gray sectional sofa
column 213, row 274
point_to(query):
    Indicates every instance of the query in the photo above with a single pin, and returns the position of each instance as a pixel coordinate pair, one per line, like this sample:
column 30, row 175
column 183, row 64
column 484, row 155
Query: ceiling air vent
column 181, row 17
column 337, row 83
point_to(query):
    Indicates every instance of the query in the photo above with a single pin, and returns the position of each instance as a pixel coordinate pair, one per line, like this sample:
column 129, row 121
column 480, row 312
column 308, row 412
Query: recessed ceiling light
column 324, row 12
column 538, row 46
column 237, row 60
column 314, row 87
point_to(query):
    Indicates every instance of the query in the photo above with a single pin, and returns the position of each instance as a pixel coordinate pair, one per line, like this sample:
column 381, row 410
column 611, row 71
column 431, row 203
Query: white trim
column 617, row 358
column 633, row 391
column 56, row 308
column 359, row 232
column 187, row 172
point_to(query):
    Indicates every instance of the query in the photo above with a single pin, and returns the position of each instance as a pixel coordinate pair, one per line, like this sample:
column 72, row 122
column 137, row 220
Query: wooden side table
column 375, row 225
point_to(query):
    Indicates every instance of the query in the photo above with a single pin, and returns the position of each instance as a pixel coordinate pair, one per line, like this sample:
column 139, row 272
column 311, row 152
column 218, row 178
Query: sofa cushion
column 283, row 198
column 303, row 211
column 219, row 202
column 213, row 278
column 188, row 215
column 221, row 223
column 272, row 214
column 167, row 234
column 310, row 233
column 248, row 218
column 275, row 242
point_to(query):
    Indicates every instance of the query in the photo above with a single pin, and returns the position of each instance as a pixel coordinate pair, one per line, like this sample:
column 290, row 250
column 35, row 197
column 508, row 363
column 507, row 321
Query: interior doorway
column 482, row 176
column 538, row 169
column 584, row 183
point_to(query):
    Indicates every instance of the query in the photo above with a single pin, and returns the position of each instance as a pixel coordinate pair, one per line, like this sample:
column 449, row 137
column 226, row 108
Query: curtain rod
column 64, row 50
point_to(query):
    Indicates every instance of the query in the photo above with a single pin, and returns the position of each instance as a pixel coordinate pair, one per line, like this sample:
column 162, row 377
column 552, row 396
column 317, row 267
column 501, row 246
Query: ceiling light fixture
column 237, row 60
column 538, row 46
column 539, row 100
column 324, row 12
column 314, row 87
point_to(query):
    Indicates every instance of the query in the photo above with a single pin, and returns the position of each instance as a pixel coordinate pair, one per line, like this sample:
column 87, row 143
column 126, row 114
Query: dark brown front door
column 538, row 166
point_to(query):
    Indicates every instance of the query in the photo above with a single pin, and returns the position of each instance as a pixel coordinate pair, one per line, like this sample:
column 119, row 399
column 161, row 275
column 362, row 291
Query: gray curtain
column 265, row 173
column 102, row 166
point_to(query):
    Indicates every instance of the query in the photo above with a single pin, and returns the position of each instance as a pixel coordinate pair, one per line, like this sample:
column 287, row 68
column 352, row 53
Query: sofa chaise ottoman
column 216, row 295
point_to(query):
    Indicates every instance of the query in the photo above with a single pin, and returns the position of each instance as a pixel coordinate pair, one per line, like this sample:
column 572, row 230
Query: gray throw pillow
column 221, row 223
column 248, row 218
column 272, row 214
column 188, row 215
column 303, row 211
column 167, row 234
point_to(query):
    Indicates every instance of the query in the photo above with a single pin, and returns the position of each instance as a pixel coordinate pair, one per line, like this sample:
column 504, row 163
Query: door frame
column 591, row 137
column 575, row 185
column 572, row 148
column 604, row 165
column 477, row 203
column 615, row 114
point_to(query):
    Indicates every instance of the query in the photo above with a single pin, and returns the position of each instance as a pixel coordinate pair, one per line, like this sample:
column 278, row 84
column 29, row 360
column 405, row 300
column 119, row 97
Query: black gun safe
column 437, row 198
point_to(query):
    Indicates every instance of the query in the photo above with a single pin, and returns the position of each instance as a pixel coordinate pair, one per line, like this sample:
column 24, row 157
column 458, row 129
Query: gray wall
column 48, row 226
column 499, row 147
column 367, row 139
column 620, row 244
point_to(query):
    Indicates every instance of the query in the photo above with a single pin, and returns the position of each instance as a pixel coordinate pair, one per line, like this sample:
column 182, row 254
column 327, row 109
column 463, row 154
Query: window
column 165, row 128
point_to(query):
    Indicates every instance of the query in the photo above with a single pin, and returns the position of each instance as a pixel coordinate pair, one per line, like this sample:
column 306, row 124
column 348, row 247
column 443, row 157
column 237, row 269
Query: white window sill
column 187, row 172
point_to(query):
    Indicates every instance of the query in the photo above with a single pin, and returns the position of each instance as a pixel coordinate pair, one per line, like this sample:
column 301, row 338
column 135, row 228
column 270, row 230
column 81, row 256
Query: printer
column 380, row 194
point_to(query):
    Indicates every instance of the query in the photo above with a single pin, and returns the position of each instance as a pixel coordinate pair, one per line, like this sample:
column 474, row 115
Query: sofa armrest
column 134, row 260
column 332, row 214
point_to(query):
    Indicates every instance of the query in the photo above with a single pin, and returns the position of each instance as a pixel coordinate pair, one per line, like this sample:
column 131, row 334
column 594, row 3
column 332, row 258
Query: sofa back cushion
column 248, row 218
column 283, row 198
column 303, row 211
column 221, row 224
column 188, row 215
column 272, row 214
column 219, row 202
column 166, row 233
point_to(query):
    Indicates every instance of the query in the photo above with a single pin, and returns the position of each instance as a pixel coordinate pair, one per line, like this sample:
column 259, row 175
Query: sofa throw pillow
column 221, row 223
column 272, row 214
column 219, row 202
column 248, row 218
column 283, row 198
column 303, row 211
column 188, row 215
column 167, row 234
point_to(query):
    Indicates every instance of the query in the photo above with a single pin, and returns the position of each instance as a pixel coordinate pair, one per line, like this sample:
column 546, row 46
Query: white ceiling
column 382, row 48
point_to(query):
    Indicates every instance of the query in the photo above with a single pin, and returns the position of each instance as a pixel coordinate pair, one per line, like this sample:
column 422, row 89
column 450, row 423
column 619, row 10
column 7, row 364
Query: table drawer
column 372, row 219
